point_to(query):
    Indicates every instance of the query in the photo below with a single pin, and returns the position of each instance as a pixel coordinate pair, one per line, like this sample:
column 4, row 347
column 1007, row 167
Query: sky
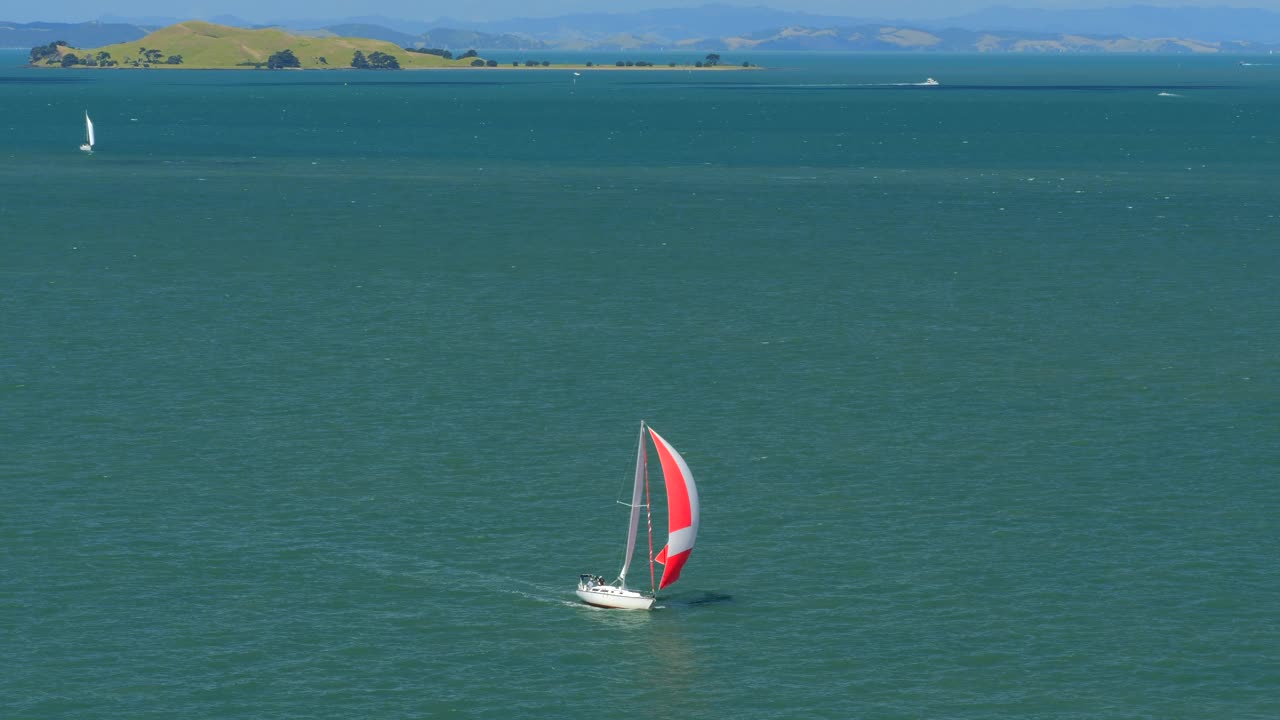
column 268, row 10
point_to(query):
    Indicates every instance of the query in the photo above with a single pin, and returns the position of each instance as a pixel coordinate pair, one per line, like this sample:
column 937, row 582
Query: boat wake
column 929, row 82
column 545, row 596
column 401, row 566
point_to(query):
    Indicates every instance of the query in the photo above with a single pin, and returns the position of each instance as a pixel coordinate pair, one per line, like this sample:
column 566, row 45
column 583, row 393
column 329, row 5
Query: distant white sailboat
column 88, row 133
column 682, row 530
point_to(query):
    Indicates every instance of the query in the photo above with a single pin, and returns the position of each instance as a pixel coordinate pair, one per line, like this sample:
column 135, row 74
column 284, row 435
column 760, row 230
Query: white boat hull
column 608, row 596
column 86, row 147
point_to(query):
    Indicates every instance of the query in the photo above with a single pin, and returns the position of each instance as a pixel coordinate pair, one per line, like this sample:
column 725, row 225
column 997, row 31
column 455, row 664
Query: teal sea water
column 317, row 390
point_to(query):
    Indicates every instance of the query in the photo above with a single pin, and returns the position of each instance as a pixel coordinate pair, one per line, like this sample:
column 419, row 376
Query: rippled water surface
column 317, row 390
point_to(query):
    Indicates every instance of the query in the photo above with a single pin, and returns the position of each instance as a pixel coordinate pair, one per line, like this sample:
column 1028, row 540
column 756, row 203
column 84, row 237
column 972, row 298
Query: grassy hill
column 206, row 45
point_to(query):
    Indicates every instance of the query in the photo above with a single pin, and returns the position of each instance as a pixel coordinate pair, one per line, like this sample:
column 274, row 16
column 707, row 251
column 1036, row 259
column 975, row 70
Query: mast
column 641, row 462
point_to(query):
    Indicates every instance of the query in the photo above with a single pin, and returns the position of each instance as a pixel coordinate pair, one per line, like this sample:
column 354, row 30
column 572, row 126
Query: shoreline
column 198, row 45
column 588, row 68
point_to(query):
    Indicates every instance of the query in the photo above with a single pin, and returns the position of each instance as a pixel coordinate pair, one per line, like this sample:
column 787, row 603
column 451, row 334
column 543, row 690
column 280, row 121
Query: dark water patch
column 920, row 87
column 1067, row 88
column 42, row 80
column 357, row 83
column 705, row 598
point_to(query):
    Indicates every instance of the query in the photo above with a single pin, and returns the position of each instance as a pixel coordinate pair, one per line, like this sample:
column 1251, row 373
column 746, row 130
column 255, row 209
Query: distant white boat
column 930, row 81
column 682, row 529
column 87, row 146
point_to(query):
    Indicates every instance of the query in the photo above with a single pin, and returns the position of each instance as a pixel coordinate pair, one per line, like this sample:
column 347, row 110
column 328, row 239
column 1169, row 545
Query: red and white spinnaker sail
column 682, row 510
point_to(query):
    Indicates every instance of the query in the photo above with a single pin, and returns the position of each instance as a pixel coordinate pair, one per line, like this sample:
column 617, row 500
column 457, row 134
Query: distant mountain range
column 86, row 34
column 1208, row 24
column 723, row 27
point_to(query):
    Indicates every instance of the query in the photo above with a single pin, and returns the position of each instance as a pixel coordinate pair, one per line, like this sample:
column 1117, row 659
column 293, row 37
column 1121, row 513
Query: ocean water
column 318, row 390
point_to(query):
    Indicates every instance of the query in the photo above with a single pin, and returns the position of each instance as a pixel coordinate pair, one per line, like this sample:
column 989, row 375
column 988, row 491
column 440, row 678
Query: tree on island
column 358, row 62
column 382, row 61
column 149, row 55
column 712, row 60
column 283, row 59
column 46, row 52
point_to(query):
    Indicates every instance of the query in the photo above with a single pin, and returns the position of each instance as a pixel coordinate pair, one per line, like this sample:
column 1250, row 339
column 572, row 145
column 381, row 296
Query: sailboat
column 682, row 530
column 88, row 133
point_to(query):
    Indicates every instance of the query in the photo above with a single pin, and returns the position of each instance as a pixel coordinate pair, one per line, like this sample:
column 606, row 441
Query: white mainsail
column 642, row 459
column 88, row 133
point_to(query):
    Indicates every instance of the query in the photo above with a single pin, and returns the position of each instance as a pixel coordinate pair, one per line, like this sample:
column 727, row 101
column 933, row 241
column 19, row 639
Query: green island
column 201, row 45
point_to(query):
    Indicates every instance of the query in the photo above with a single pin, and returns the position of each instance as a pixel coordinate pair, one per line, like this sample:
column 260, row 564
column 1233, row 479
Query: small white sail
column 642, row 459
column 88, row 133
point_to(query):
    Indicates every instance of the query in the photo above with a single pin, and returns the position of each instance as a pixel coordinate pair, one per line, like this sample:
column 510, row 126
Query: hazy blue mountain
column 409, row 27
column 709, row 21
column 885, row 38
column 451, row 39
column 446, row 38
column 1200, row 23
column 1212, row 24
column 87, row 34
column 155, row 21
column 714, row 27
column 377, row 32
column 233, row 21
